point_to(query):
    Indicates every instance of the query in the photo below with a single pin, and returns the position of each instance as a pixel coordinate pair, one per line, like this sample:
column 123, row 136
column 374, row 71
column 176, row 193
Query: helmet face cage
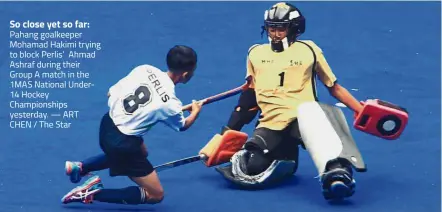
column 283, row 15
column 276, row 24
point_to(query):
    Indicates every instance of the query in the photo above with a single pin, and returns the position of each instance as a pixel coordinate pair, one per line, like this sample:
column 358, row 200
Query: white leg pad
column 320, row 139
column 326, row 136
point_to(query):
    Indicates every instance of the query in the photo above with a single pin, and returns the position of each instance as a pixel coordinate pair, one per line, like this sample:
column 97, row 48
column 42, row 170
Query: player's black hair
column 181, row 58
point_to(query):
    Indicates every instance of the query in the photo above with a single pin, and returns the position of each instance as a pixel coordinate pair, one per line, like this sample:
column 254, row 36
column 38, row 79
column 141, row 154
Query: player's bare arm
column 344, row 96
column 196, row 108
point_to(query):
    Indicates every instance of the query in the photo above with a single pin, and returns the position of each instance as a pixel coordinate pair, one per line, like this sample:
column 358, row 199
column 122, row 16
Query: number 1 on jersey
column 281, row 78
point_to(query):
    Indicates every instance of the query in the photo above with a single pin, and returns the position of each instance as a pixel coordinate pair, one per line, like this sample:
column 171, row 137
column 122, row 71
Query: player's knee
column 157, row 199
column 153, row 201
column 154, row 197
column 159, row 195
column 257, row 162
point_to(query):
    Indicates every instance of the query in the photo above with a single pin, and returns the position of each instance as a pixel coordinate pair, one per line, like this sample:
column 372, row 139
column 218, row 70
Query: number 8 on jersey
column 141, row 97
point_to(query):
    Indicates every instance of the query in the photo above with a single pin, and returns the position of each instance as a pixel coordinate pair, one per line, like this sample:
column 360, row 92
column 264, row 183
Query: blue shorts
column 125, row 153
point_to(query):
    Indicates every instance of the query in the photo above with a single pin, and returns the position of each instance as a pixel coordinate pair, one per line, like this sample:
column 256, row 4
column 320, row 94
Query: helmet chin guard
column 279, row 46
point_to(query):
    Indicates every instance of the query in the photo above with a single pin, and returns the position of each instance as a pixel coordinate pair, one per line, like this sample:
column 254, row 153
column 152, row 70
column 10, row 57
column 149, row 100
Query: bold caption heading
column 47, row 25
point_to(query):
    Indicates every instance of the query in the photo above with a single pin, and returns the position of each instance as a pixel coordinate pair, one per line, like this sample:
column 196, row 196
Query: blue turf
column 386, row 50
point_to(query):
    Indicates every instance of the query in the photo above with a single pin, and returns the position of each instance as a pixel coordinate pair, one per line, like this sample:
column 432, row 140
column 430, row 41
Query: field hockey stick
column 223, row 95
column 180, row 162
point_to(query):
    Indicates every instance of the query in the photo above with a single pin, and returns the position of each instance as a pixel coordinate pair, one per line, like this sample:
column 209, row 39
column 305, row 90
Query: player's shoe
column 73, row 170
column 338, row 184
column 339, row 190
column 84, row 193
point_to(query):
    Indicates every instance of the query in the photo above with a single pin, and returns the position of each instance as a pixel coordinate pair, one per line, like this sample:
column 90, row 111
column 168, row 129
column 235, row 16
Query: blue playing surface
column 385, row 50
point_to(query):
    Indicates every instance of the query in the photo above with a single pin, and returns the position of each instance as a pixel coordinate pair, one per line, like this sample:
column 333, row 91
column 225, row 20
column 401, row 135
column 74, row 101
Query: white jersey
column 145, row 97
